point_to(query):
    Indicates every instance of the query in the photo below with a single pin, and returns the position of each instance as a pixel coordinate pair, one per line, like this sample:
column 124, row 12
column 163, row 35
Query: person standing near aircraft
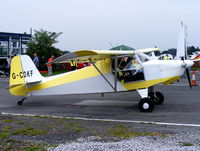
column 166, row 57
column 36, row 60
column 73, row 65
column 49, row 66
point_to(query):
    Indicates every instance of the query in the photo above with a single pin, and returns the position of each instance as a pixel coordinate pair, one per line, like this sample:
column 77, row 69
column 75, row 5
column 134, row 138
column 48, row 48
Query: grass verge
column 123, row 131
column 75, row 127
column 186, row 144
column 14, row 145
column 29, row 130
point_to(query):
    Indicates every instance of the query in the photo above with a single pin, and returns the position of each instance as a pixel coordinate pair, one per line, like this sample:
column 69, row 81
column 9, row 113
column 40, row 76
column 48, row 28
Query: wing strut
column 114, row 88
column 116, row 62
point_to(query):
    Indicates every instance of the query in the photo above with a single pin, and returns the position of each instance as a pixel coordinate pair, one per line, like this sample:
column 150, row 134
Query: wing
column 147, row 50
column 95, row 55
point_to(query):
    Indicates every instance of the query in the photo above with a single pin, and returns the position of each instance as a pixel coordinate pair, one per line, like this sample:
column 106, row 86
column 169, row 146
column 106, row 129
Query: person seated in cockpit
column 131, row 71
column 134, row 65
column 124, row 61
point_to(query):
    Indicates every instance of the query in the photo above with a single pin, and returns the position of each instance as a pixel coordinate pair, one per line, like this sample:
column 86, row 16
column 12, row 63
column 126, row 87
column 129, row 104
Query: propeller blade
column 188, row 77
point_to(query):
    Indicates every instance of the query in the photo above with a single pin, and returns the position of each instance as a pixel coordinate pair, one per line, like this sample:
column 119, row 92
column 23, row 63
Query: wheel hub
column 145, row 105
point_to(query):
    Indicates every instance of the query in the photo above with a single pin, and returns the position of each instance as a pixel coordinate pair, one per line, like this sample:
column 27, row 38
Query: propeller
column 187, row 71
column 188, row 77
column 182, row 51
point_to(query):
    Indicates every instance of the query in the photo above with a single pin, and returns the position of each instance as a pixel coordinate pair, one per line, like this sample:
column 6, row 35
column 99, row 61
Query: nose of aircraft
column 188, row 63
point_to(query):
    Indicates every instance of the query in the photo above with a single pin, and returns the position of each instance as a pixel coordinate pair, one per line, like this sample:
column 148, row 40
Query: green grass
column 54, row 73
column 14, row 145
column 8, row 140
column 7, row 121
column 186, row 144
column 123, row 131
column 95, row 132
column 39, row 147
column 7, row 128
column 75, row 127
column 4, row 134
column 36, row 148
column 20, row 122
column 195, row 69
column 28, row 131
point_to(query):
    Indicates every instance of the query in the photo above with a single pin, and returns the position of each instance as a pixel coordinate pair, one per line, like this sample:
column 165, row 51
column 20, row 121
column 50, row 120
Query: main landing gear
column 157, row 97
column 146, row 105
column 148, row 101
column 21, row 101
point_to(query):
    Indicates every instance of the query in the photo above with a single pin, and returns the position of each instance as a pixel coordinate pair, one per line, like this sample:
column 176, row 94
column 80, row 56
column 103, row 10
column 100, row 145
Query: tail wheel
column 20, row 102
column 157, row 97
column 146, row 105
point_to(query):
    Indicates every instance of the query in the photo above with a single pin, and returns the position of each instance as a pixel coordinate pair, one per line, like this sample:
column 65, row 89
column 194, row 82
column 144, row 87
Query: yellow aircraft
column 111, row 71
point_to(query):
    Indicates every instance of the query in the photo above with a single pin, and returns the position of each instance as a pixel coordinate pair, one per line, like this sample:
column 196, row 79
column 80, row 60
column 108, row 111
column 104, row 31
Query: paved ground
column 181, row 105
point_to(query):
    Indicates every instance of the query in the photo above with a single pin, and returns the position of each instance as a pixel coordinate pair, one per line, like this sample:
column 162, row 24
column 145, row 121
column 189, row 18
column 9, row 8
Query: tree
column 171, row 51
column 42, row 43
column 191, row 50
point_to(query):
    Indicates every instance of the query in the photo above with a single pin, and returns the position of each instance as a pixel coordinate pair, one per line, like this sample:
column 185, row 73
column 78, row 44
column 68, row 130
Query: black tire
column 151, row 95
column 157, row 97
column 19, row 102
column 146, row 105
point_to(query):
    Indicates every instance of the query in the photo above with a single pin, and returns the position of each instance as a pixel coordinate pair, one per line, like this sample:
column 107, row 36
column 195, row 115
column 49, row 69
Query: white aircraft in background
column 153, row 55
column 195, row 56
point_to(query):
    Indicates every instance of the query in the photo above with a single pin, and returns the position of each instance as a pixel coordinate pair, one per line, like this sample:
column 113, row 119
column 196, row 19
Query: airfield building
column 13, row 44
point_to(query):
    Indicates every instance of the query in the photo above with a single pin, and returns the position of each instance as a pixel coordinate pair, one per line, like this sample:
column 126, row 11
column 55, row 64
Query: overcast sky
column 93, row 24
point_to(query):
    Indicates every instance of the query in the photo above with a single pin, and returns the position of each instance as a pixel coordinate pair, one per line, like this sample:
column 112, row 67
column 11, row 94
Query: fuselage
column 89, row 80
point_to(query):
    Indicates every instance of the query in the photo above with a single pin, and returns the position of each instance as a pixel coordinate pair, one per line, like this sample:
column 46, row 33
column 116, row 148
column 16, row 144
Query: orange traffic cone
column 194, row 82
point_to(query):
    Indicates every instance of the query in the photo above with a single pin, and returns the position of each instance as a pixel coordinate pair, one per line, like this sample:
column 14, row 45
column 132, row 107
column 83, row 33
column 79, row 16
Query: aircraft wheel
column 151, row 95
column 146, row 105
column 157, row 97
column 160, row 97
column 20, row 102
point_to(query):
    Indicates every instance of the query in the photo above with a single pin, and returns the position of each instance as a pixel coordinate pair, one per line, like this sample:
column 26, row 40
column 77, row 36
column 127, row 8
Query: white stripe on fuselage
column 95, row 84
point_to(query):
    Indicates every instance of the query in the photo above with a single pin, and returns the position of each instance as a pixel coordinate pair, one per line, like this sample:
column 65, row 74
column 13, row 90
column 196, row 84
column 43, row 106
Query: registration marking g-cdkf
column 22, row 74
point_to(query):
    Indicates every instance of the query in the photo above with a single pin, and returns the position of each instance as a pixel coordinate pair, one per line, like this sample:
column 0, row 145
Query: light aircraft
column 111, row 71
column 195, row 56
column 153, row 55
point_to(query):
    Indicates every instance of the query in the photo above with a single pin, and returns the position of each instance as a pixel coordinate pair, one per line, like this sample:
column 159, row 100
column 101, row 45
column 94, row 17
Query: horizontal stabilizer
column 14, row 85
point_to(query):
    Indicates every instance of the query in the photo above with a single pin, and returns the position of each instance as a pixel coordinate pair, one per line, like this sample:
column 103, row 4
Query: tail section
column 23, row 72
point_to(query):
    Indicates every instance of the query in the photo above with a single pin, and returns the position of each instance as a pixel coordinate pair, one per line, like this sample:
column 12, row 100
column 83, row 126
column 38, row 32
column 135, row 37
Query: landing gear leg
column 21, row 101
column 156, row 96
column 146, row 104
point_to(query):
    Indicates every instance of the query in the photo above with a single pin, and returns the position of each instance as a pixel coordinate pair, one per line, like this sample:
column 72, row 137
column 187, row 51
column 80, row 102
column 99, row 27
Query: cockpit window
column 130, row 69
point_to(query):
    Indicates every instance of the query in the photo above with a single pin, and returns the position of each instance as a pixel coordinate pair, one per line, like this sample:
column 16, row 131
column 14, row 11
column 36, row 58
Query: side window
column 129, row 69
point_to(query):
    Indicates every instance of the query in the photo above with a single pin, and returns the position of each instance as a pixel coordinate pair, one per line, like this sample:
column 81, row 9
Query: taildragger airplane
column 110, row 72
